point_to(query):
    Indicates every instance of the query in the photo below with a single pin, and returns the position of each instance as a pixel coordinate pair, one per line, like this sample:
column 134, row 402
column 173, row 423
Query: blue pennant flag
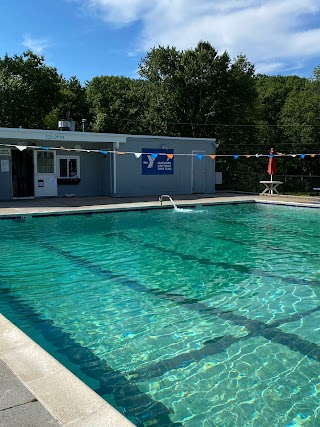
column 154, row 155
column 235, row 156
column 45, row 148
column 104, row 152
column 302, row 156
column 199, row 156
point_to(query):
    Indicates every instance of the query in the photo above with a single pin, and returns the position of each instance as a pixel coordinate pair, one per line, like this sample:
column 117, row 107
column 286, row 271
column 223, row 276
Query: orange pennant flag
column 120, row 152
column 213, row 156
column 248, row 155
column 170, row 156
column 312, row 155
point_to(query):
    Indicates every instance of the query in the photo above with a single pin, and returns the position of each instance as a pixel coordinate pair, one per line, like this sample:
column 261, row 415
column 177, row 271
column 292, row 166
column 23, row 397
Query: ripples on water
column 196, row 319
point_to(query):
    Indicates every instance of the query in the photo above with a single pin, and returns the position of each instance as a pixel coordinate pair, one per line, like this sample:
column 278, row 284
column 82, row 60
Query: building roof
column 17, row 135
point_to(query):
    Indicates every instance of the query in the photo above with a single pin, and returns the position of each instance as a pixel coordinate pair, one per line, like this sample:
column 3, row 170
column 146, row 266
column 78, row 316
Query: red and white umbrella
column 272, row 164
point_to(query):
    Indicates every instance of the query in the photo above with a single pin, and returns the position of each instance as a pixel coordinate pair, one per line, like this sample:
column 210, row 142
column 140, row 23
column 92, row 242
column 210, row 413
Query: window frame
column 77, row 158
column 37, row 163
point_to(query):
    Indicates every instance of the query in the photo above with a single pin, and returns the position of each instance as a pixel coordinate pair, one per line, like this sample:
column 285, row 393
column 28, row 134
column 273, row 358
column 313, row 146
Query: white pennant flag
column 21, row 147
column 137, row 155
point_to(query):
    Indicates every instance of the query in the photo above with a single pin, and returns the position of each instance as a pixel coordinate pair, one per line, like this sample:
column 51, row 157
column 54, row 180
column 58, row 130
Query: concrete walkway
column 35, row 389
column 38, row 391
column 18, row 406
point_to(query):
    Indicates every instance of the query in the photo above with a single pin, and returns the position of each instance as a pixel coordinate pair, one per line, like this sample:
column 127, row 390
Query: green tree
column 238, row 106
column 161, row 69
column 29, row 90
column 73, row 105
column 273, row 92
column 300, row 118
column 117, row 104
column 198, row 89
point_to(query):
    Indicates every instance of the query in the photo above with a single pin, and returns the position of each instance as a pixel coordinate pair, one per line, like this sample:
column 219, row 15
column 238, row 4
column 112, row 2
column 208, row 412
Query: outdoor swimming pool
column 198, row 319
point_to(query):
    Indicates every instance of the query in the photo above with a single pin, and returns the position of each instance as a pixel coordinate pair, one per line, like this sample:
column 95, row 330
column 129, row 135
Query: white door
column 45, row 176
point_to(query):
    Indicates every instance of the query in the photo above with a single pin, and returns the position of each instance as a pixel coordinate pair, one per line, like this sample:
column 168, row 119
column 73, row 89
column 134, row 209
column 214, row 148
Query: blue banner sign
column 155, row 162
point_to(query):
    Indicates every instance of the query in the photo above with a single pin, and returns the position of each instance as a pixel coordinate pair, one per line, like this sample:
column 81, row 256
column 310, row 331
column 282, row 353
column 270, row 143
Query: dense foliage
column 194, row 93
column 29, row 90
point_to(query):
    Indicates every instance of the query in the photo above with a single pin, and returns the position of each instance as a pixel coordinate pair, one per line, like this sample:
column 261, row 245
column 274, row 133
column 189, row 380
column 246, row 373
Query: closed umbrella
column 272, row 164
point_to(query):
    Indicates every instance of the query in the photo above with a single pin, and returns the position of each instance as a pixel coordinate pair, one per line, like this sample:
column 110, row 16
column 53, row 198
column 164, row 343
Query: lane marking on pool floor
column 258, row 327
column 139, row 407
column 254, row 326
column 207, row 261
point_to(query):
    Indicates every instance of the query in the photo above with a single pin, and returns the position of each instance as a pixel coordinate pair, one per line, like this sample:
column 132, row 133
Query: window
column 45, row 162
column 68, row 167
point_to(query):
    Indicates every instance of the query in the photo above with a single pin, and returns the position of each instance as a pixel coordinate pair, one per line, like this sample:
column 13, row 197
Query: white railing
column 166, row 195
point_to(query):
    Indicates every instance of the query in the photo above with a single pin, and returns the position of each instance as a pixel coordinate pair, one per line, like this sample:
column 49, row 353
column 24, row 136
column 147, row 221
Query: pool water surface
column 181, row 319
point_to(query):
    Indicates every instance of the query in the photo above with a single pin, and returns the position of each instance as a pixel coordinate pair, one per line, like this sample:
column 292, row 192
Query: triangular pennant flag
column 137, row 155
column 302, row 156
column 213, row 156
column 120, row 152
column 104, row 152
column 235, row 156
column 154, row 155
column 199, row 156
column 312, row 155
column 45, row 148
column 248, row 155
column 170, row 156
column 293, row 155
column 21, row 147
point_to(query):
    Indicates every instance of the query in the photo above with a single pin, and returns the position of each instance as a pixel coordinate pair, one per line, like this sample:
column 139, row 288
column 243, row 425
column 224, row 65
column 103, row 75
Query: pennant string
column 155, row 155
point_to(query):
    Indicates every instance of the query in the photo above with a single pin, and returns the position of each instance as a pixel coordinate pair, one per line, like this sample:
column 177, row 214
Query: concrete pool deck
column 73, row 205
column 35, row 389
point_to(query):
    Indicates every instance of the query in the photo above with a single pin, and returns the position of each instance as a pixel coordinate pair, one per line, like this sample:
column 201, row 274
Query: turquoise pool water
column 198, row 319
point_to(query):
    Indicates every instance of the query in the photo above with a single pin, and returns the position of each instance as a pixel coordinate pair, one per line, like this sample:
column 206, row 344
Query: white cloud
column 36, row 45
column 117, row 12
column 269, row 67
column 272, row 33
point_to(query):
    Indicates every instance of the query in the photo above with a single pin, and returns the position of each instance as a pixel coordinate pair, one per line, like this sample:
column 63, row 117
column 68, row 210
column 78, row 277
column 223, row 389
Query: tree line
column 194, row 93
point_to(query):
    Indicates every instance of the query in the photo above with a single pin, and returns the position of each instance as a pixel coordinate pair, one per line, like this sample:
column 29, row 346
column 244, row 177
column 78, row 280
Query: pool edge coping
column 141, row 206
column 68, row 399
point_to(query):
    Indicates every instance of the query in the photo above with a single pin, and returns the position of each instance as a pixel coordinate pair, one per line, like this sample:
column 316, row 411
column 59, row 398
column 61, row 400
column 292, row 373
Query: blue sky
column 89, row 38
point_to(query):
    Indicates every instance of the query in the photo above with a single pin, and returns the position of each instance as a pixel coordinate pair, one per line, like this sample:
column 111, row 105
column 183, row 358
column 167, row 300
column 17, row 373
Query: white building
column 45, row 163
